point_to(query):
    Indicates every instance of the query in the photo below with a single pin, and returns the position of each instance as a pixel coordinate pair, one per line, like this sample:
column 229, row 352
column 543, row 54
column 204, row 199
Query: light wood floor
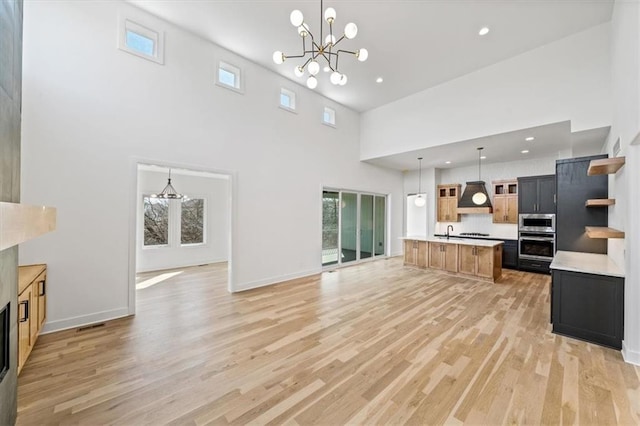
column 370, row 344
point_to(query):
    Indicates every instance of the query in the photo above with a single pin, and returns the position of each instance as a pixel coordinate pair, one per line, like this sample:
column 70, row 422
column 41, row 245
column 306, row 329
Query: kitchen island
column 480, row 259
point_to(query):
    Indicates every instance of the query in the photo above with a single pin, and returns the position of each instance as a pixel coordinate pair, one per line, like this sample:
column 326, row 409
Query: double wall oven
column 537, row 237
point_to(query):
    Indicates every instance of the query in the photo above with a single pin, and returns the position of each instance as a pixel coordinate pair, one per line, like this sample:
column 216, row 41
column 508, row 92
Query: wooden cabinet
column 537, row 194
column 483, row 262
column 448, row 196
column 443, row 256
column 588, row 306
column 415, row 253
column 32, row 308
column 505, row 201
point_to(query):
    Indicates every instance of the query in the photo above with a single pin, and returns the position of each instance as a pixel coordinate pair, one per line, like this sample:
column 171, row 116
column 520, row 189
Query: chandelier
column 169, row 192
column 322, row 48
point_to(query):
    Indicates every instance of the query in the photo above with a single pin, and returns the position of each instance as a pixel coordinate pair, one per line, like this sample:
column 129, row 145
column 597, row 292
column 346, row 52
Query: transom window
column 141, row 41
column 329, row 117
column 287, row 99
column 229, row 76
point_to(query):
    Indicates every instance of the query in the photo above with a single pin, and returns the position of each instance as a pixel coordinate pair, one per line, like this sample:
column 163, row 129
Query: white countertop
column 463, row 241
column 588, row 263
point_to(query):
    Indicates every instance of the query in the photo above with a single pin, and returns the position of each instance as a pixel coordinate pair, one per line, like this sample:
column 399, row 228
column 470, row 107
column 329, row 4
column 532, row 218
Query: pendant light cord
column 420, row 177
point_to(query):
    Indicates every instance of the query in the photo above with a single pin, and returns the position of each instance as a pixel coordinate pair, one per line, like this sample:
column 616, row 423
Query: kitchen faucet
column 449, row 226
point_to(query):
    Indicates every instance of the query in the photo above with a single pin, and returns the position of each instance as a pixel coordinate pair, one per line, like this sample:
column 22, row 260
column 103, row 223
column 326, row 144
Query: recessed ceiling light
column 483, row 158
column 525, row 151
column 379, row 80
column 447, row 162
column 483, row 31
column 529, row 139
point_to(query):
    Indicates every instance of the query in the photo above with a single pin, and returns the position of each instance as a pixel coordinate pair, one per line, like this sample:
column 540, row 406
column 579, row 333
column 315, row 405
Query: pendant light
column 479, row 198
column 169, row 192
column 420, row 201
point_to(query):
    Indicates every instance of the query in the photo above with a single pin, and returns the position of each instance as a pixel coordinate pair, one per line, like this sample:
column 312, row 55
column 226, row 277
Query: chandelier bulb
column 296, row 18
column 330, row 39
column 312, row 82
column 330, row 15
column 343, row 80
column 298, row 71
column 278, row 57
column 303, row 30
column 362, row 55
column 314, row 67
column 350, row 30
column 335, row 77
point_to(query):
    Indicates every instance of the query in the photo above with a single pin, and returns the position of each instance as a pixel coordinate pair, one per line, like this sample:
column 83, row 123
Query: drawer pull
column 26, row 311
column 42, row 288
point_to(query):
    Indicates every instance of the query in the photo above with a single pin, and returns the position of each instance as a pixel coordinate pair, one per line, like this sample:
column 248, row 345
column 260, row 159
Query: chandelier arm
column 346, row 51
column 321, row 10
column 339, row 40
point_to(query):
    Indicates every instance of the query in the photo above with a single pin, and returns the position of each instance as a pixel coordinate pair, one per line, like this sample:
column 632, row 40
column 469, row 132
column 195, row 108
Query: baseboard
column 181, row 265
column 79, row 321
column 275, row 280
column 631, row 357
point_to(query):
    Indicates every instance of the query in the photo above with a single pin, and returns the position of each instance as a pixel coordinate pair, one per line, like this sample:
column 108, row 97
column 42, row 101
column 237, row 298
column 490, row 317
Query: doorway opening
column 177, row 235
column 354, row 226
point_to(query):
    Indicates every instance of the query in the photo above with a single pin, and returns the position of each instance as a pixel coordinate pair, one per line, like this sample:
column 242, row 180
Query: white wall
column 490, row 172
column 623, row 186
column 565, row 80
column 215, row 192
column 89, row 110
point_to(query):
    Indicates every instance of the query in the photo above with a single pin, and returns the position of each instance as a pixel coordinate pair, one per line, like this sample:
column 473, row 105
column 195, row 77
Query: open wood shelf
column 600, row 202
column 603, row 232
column 605, row 166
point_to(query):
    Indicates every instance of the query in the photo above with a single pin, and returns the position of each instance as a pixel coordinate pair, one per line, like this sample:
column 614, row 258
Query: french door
column 353, row 226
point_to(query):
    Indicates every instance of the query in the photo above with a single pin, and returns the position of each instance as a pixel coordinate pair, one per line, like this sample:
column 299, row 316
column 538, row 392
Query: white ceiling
column 413, row 44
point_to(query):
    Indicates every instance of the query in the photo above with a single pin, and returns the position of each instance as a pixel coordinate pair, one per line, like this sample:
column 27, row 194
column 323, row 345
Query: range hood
column 466, row 204
column 20, row 223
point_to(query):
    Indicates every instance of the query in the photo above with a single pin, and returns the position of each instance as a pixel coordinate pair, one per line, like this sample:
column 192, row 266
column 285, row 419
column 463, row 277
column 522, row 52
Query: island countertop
column 462, row 241
column 588, row 263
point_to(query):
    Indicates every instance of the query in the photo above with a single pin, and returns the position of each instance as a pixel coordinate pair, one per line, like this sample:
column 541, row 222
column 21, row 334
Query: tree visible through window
column 156, row 222
column 192, row 221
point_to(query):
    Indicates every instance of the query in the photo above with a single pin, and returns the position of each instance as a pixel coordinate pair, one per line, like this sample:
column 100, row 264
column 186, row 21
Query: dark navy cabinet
column 537, row 194
column 510, row 254
column 588, row 307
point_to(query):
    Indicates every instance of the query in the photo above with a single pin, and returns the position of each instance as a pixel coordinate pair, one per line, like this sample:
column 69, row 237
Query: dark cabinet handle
column 26, row 311
column 42, row 288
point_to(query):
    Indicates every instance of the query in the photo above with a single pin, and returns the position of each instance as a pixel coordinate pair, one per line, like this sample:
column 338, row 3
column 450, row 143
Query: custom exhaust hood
column 466, row 204
column 475, row 199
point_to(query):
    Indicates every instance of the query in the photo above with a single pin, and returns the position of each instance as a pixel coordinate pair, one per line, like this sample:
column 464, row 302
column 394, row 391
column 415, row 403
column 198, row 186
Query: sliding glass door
column 353, row 226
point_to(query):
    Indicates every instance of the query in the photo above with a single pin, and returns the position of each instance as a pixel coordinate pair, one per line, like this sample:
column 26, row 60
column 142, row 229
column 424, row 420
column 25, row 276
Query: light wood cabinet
column 448, row 196
column 483, row 262
column 415, row 253
column 443, row 256
column 505, row 201
column 32, row 308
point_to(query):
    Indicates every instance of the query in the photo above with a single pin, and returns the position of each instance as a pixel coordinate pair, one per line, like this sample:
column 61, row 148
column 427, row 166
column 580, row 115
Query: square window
column 141, row 41
column 229, row 76
column 287, row 99
column 329, row 117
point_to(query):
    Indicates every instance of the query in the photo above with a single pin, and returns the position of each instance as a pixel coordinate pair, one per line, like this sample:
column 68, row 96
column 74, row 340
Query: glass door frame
column 359, row 194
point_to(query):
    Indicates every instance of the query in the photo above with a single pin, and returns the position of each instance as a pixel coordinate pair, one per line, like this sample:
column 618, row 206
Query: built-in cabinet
column 588, row 306
column 537, row 194
column 510, row 254
column 478, row 261
column 32, row 308
column 443, row 256
column 415, row 253
column 505, row 201
column 448, row 196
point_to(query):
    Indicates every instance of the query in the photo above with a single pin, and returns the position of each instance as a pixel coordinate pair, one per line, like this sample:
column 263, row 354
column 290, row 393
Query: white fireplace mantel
column 22, row 222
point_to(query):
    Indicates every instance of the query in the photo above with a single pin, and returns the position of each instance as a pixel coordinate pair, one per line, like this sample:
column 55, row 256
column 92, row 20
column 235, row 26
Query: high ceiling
column 412, row 44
